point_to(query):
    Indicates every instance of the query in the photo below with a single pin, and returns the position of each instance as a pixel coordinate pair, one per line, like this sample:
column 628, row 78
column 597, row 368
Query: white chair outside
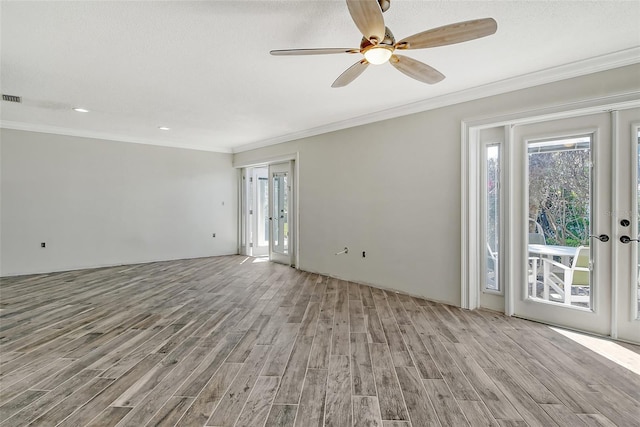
column 536, row 233
column 536, row 237
column 577, row 275
column 492, row 266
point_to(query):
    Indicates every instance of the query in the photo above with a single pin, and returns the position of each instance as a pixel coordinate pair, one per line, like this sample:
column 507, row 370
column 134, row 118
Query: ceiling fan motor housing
column 388, row 40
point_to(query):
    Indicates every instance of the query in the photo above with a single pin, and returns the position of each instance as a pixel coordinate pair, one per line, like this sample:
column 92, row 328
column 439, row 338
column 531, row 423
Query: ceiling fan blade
column 450, row 34
column 416, row 69
column 351, row 73
column 367, row 16
column 320, row 51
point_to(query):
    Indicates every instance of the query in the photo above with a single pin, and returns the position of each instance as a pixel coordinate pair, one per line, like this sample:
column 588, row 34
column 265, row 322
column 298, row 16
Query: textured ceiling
column 204, row 70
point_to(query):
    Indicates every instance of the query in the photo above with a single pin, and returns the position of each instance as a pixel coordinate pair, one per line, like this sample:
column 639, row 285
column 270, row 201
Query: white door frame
column 471, row 213
column 295, row 215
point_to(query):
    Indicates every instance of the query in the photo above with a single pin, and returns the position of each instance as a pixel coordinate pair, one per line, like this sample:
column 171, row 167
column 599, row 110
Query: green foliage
column 559, row 192
column 493, row 199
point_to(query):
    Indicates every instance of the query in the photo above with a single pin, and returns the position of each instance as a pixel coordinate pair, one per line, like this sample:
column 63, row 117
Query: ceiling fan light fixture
column 377, row 55
column 378, row 43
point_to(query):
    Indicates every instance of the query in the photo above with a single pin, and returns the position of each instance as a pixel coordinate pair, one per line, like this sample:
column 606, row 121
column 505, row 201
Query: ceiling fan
column 379, row 46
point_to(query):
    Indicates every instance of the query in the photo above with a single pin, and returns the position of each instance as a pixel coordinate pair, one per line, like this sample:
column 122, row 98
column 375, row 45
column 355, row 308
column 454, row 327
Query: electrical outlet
column 364, row 254
column 43, row 245
column 214, row 234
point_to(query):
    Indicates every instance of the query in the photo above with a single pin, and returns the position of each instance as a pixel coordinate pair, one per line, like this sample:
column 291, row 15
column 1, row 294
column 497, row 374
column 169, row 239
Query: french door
column 561, row 191
column 626, row 221
column 280, row 207
column 573, row 195
column 259, row 211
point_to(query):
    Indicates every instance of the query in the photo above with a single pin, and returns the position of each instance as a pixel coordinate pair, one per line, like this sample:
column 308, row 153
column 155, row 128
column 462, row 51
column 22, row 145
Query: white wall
column 392, row 188
column 99, row 203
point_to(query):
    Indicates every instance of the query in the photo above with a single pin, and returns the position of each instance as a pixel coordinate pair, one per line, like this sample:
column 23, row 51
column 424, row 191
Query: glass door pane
column 279, row 212
column 559, row 209
column 262, row 211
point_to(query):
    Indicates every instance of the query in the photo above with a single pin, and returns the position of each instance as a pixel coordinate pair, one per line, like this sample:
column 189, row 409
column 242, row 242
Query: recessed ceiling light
column 164, row 128
column 81, row 110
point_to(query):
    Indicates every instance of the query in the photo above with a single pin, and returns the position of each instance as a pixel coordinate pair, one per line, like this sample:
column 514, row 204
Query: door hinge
column 251, row 179
column 251, row 244
column 250, row 211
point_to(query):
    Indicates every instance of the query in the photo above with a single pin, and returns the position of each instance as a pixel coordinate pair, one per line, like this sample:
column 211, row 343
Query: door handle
column 627, row 239
column 603, row 238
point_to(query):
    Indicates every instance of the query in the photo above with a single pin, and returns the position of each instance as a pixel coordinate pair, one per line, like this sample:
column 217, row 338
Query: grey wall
column 392, row 188
column 99, row 203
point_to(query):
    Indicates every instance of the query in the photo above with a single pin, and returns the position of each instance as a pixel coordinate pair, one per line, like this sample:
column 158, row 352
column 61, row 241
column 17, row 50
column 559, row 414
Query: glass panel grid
column 492, row 215
column 559, row 218
column 262, row 211
column 281, row 213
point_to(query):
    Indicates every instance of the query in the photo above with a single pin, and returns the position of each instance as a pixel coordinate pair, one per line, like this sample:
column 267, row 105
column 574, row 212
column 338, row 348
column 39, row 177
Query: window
column 492, row 214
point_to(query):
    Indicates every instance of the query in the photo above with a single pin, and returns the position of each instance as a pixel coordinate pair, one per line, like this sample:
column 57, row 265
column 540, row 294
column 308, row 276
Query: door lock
column 603, row 238
column 627, row 239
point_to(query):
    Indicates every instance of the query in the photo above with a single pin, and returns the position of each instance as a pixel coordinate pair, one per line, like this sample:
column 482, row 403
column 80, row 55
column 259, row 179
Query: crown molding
column 29, row 127
column 575, row 69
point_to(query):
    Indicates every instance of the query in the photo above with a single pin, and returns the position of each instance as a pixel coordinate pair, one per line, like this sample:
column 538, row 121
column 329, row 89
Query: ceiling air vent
column 11, row 98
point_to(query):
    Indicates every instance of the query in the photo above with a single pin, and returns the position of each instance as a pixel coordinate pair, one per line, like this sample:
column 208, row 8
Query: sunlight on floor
column 261, row 259
column 609, row 349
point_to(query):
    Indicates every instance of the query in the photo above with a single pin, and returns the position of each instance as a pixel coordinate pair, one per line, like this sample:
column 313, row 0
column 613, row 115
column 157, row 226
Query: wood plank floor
column 227, row 341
